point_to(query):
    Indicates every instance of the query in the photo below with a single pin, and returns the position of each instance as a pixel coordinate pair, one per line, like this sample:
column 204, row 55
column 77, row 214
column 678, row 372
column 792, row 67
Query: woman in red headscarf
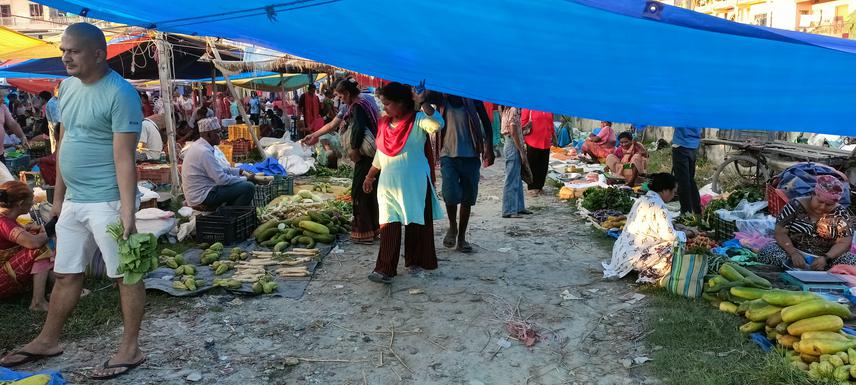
column 813, row 232
column 405, row 193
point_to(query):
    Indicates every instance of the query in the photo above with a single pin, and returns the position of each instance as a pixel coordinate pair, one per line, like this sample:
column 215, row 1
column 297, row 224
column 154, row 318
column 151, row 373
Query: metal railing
column 832, row 28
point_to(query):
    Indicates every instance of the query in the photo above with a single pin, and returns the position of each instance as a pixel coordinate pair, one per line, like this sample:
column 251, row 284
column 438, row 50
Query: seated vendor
column 648, row 239
column 813, row 232
column 22, row 249
column 151, row 143
column 600, row 145
column 207, row 183
column 629, row 159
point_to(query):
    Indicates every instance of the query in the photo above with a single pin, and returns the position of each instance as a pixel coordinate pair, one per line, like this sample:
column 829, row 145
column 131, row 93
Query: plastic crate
column 263, row 195
column 227, row 225
column 282, row 185
column 16, row 165
column 155, row 173
column 722, row 230
column 226, row 149
column 240, row 147
column 776, row 198
column 241, row 131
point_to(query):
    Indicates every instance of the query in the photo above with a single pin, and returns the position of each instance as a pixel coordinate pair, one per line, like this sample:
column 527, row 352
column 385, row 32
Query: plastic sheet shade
column 615, row 60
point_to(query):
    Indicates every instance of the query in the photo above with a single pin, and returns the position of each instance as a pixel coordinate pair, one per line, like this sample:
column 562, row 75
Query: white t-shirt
column 151, row 139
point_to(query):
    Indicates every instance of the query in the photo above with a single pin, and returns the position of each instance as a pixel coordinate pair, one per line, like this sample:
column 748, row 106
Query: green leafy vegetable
column 607, row 198
column 137, row 255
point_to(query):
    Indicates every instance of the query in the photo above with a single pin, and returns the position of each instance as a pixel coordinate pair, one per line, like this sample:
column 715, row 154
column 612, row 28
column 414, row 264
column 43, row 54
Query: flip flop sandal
column 465, row 248
column 127, row 367
column 28, row 357
column 380, row 278
column 525, row 212
column 449, row 241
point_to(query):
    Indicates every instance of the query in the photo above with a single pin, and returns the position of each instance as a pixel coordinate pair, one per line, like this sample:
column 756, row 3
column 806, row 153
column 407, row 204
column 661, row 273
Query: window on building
column 55, row 13
column 36, row 10
column 5, row 10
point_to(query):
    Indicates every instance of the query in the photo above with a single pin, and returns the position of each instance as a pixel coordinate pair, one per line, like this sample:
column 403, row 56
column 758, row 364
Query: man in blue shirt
column 255, row 108
column 685, row 144
column 96, row 186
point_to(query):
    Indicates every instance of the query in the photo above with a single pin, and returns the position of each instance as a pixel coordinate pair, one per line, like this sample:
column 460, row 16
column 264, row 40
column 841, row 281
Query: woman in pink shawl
column 601, row 145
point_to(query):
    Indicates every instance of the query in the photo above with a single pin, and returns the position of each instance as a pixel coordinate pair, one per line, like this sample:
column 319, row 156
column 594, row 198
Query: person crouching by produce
column 813, row 232
column 629, row 159
column 405, row 193
column 648, row 238
column 208, row 184
column 23, row 249
column 361, row 120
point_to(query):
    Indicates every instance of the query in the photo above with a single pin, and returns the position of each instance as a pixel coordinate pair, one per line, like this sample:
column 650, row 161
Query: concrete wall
column 783, row 14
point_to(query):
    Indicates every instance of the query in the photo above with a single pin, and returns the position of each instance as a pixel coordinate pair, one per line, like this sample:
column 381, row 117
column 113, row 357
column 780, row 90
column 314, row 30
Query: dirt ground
column 452, row 326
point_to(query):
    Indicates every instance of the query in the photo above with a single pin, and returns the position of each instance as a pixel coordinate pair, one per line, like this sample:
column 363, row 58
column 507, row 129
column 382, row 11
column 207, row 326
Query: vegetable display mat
column 288, row 287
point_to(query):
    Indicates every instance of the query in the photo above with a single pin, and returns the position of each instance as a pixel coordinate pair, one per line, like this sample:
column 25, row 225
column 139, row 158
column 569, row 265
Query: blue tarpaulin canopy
column 620, row 60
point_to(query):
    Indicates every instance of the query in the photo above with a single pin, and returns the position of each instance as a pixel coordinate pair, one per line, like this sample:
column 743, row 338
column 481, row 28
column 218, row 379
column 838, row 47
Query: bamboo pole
column 164, row 72
column 234, row 94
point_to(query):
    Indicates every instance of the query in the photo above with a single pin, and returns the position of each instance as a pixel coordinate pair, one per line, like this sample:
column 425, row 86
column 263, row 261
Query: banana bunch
column 228, row 283
column 221, row 267
column 171, row 259
column 238, row 255
column 264, row 285
column 212, row 254
column 185, row 270
column 188, row 283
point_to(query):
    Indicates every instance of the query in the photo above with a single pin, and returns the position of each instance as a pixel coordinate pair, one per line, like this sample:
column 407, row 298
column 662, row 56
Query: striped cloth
column 687, row 275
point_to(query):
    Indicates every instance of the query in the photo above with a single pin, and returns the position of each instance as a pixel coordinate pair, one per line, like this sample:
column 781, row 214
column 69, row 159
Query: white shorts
column 81, row 228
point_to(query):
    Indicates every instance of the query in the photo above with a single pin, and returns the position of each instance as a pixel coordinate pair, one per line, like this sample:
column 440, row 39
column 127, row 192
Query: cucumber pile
column 318, row 226
column 805, row 325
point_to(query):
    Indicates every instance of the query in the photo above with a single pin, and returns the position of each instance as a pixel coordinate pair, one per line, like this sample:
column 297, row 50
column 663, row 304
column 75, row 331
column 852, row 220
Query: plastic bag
column 744, row 210
column 753, row 240
column 764, row 226
column 5, row 175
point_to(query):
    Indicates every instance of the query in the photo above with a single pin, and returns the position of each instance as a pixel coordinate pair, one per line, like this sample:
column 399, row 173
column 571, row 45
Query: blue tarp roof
column 21, row 75
column 600, row 59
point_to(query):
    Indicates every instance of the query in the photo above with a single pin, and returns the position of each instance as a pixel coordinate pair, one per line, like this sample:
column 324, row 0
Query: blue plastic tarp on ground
column 599, row 59
column 11, row 375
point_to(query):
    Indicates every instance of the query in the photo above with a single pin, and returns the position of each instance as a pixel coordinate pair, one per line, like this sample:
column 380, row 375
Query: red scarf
column 391, row 141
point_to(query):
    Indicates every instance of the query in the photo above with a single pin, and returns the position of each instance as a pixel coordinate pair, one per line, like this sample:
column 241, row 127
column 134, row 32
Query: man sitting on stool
column 207, row 183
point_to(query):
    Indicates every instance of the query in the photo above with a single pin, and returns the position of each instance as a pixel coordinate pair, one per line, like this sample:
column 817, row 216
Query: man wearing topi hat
column 207, row 183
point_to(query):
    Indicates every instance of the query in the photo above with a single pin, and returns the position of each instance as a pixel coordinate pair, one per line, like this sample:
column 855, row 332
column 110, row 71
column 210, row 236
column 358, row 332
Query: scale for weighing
column 815, row 281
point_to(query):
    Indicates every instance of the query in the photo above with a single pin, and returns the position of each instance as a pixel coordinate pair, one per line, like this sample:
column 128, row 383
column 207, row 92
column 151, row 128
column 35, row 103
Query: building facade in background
column 35, row 19
column 824, row 17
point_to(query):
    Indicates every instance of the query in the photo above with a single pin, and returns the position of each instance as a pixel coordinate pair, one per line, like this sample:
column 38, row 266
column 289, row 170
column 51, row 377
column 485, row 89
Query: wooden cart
column 754, row 156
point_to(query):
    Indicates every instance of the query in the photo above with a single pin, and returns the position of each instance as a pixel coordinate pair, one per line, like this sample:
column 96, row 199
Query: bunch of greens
column 608, row 198
column 709, row 213
column 693, row 220
column 344, row 171
column 750, row 193
column 346, row 209
column 138, row 254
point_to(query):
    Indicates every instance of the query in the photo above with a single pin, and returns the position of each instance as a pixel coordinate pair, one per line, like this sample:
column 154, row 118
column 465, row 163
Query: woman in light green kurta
column 405, row 192
column 400, row 180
